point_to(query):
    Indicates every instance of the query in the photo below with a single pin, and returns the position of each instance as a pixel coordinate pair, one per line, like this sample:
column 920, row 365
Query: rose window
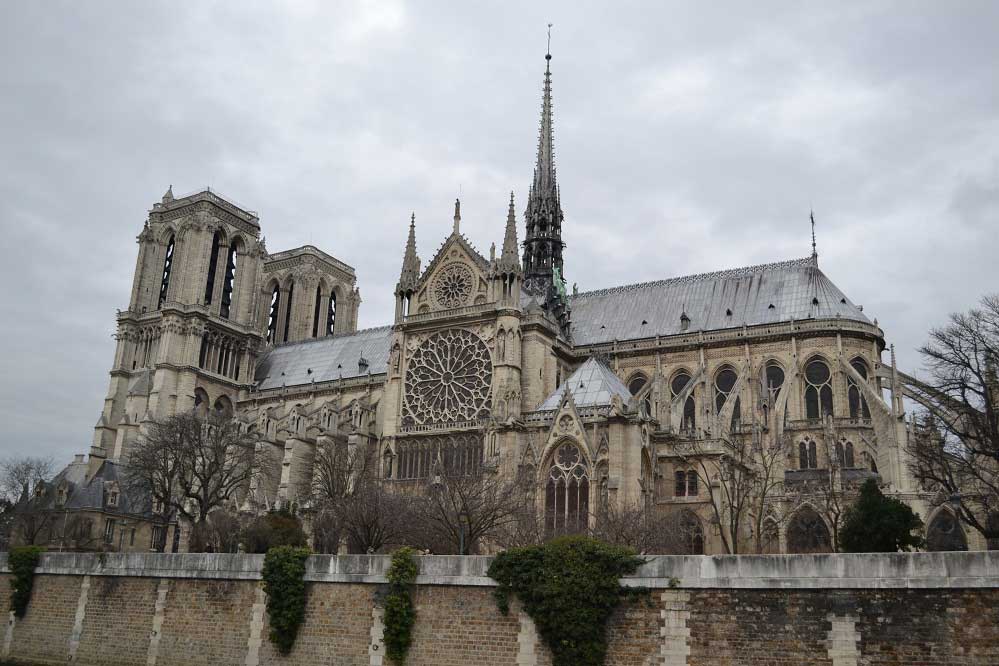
column 453, row 286
column 448, row 379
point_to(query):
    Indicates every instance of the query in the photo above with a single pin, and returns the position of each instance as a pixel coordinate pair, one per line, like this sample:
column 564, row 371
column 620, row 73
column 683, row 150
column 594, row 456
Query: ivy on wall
column 569, row 587
column 22, row 563
column 284, row 583
column 400, row 615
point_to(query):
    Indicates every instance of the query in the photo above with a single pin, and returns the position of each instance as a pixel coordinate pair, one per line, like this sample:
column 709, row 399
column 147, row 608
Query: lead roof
column 753, row 295
column 763, row 294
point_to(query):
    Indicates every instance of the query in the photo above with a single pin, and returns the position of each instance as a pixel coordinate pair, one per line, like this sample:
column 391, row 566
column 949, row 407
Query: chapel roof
column 593, row 384
column 753, row 295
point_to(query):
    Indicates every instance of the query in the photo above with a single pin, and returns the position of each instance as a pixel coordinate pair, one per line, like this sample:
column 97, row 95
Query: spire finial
column 508, row 258
column 457, row 215
column 811, row 216
column 548, row 55
column 410, row 260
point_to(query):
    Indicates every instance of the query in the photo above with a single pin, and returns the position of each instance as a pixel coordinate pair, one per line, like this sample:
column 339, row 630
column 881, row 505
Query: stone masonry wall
column 840, row 610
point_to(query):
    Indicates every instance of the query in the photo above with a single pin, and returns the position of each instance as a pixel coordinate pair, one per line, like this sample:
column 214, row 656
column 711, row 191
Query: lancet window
column 724, row 384
column 818, row 390
column 167, row 266
column 287, row 314
column 679, row 383
column 272, row 318
column 855, row 397
column 315, row 312
column 458, row 455
column 230, row 280
column 213, row 263
column 331, row 313
column 807, row 455
column 567, row 491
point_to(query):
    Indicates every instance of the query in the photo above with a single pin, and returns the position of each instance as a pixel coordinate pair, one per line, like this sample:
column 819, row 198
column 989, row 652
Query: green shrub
column 22, row 562
column 284, row 583
column 879, row 524
column 400, row 615
column 278, row 528
column 569, row 587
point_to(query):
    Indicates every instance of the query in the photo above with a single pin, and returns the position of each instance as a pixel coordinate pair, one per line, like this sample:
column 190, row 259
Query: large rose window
column 448, row 379
column 453, row 286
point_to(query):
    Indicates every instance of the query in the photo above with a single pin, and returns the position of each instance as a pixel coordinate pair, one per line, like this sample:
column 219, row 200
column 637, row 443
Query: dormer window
column 113, row 498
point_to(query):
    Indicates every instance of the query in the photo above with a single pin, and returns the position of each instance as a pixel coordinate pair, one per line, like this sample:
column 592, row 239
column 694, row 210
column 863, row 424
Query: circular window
column 453, row 286
column 448, row 379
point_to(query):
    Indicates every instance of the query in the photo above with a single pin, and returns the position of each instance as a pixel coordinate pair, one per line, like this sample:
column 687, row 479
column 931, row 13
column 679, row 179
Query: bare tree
column 27, row 519
column 193, row 465
column 354, row 506
column 463, row 510
column 961, row 394
column 19, row 476
column 727, row 470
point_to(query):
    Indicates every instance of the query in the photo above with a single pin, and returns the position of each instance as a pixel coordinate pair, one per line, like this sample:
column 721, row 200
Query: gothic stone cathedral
column 614, row 396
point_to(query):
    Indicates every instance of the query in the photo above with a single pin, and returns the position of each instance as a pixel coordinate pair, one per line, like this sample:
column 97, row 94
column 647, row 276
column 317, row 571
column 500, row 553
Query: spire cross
column 549, row 54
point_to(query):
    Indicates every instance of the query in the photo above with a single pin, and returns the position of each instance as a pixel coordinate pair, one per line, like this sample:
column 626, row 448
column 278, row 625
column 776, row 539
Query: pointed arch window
column 331, row 313
column 213, row 262
column 315, row 313
column 287, row 313
column 818, row 390
column 272, row 319
column 167, row 266
column 635, row 386
column 858, row 404
column 724, row 384
column 567, row 492
column 230, row 281
column 807, row 533
column 680, row 381
column 807, row 455
column 849, row 459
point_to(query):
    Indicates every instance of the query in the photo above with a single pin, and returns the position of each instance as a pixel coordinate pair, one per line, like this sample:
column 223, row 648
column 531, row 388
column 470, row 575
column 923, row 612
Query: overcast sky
column 690, row 137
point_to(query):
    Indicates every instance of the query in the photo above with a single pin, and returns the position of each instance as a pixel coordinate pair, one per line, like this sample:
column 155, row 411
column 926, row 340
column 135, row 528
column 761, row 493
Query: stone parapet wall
column 843, row 610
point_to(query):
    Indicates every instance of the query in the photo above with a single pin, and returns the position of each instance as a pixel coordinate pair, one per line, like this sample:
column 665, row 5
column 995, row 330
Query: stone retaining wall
column 840, row 610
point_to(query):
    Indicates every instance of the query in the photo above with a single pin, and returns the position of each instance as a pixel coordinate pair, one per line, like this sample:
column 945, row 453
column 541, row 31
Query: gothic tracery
column 448, row 379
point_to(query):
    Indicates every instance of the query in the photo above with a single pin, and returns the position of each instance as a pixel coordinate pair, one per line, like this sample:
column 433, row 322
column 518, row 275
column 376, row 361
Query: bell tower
column 189, row 337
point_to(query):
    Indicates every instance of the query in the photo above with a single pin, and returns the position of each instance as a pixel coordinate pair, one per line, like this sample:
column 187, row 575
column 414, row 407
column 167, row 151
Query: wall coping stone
column 978, row 569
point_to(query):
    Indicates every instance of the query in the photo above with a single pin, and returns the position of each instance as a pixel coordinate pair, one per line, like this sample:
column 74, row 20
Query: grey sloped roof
column 84, row 493
column 763, row 294
column 592, row 384
column 328, row 358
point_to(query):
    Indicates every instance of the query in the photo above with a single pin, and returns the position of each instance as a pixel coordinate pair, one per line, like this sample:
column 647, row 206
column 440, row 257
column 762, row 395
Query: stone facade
column 633, row 397
column 732, row 610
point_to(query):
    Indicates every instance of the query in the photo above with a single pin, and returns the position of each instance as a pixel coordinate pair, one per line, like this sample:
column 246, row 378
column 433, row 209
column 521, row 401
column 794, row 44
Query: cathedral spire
column 543, row 243
column 410, row 261
column 509, row 259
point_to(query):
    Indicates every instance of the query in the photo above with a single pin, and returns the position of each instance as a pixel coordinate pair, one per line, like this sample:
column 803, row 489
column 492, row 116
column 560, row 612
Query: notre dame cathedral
column 618, row 397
